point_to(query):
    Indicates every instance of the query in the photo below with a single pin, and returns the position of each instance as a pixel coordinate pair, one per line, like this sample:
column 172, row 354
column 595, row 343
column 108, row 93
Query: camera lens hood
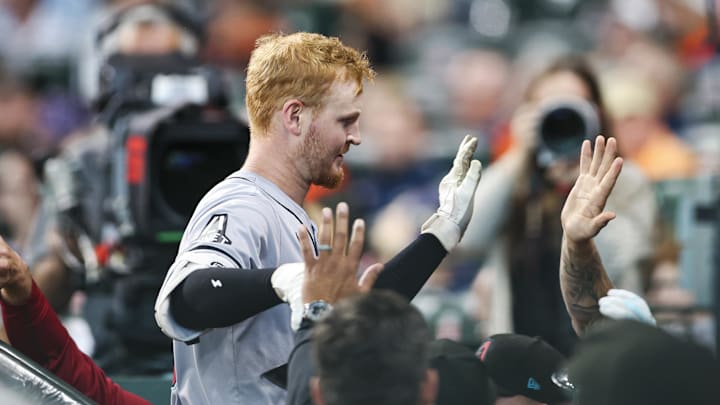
column 563, row 125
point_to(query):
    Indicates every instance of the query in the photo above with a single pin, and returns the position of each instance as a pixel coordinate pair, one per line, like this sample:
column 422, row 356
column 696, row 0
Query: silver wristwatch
column 317, row 310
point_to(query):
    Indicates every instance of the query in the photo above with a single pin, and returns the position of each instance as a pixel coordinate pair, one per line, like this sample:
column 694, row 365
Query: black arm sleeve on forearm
column 220, row 297
column 408, row 271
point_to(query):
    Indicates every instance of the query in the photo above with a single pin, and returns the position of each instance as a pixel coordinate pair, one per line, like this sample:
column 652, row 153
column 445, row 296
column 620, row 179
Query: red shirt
column 35, row 330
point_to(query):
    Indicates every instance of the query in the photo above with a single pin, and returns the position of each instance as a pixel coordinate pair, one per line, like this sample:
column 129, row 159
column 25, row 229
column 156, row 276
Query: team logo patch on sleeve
column 214, row 231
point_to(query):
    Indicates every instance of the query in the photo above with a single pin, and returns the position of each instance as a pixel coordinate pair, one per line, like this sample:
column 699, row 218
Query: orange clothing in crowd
column 665, row 156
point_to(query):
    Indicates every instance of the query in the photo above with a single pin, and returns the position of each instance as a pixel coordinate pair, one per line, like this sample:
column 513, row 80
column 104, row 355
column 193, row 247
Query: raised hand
column 583, row 215
column 333, row 274
column 456, row 193
column 15, row 279
column 583, row 279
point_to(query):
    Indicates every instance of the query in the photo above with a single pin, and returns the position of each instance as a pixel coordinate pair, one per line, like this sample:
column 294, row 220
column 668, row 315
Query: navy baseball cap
column 527, row 366
column 463, row 378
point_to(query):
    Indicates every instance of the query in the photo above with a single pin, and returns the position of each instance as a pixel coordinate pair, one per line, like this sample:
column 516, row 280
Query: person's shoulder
column 233, row 187
column 237, row 200
column 237, row 194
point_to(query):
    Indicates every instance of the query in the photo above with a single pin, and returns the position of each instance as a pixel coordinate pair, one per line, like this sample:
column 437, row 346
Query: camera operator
column 523, row 193
column 162, row 127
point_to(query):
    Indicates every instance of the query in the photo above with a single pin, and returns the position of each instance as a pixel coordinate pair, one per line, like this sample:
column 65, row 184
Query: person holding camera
column 82, row 240
column 516, row 225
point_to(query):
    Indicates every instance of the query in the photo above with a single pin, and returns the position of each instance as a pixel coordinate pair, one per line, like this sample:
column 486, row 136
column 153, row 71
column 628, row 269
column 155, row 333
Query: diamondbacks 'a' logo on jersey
column 214, row 231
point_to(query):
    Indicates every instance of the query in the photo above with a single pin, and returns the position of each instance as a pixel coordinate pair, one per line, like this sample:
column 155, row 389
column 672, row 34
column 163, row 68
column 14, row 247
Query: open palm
column 332, row 275
column 583, row 215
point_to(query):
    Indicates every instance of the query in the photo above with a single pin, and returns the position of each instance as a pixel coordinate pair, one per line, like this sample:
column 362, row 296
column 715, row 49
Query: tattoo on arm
column 583, row 281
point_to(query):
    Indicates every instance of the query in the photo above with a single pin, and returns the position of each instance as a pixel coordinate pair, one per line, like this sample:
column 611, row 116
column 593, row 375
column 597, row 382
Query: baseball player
column 240, row 258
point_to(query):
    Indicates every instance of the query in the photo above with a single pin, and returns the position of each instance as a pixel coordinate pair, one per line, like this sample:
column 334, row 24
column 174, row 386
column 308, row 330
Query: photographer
column 163, row 130
column 516, row 224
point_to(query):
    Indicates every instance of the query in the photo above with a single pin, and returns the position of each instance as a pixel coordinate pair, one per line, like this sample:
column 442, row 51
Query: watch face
column 317, row 310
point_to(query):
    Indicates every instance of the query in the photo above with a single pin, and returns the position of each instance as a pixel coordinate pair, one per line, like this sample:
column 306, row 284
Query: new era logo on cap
column 522, row 365
column 482, row 351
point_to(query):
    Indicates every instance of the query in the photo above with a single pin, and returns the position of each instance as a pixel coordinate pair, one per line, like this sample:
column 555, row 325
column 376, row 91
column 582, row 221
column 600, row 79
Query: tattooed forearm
column 583, row 282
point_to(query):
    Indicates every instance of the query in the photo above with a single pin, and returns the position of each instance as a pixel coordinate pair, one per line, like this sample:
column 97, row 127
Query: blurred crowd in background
column 446, row 68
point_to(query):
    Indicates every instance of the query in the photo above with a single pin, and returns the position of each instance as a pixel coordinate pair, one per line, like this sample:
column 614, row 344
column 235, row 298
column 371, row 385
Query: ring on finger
column 324, row 248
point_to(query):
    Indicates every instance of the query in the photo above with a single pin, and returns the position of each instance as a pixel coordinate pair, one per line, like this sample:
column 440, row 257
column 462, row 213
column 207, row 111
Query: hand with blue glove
column 623, row 304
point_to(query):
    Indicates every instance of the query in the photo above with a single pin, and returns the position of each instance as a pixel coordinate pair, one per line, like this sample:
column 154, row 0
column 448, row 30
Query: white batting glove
column 457, row 192
column 287, row 281
column 623, row 304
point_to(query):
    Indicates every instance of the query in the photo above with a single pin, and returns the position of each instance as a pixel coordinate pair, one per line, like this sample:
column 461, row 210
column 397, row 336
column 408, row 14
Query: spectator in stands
column 21, row 124
column 36, row 33
column 40, row 42
column 477, row 82
column 516, row 225
column 19, row 211
column 634, row 105
column 34, row 330
column 19, row 195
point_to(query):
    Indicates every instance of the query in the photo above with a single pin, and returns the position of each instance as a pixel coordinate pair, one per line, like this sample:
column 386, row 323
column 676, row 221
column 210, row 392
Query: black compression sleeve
column 219, row 297
column 408, row 271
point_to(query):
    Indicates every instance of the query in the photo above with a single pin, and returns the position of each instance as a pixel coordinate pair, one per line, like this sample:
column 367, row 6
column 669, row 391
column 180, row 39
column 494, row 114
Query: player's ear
column 291, row 111
column 315, row 391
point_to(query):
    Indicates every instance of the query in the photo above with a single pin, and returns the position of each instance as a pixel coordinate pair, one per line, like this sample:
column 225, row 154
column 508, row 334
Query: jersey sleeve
column 232, row 235
column 35, row 330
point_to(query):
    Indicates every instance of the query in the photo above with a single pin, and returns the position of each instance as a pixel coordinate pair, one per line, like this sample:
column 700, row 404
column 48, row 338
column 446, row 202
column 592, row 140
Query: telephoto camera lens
column 563, row 126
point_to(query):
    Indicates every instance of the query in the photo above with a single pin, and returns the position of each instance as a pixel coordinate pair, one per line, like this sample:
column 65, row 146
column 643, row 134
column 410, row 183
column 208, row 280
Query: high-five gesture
column 583, row 279
column 583, row 215
column 333, row 274
column 456, row 194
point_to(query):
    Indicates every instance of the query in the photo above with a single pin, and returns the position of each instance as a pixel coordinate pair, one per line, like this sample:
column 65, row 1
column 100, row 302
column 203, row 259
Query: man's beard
column 314, row 153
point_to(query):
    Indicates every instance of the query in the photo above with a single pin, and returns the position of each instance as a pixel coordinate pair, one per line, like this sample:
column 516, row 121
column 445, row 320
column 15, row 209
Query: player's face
column 330, row 134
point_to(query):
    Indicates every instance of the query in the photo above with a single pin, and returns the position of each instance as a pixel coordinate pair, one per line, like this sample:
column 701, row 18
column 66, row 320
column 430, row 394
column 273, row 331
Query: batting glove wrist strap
column 447, row 232
column 287, row 281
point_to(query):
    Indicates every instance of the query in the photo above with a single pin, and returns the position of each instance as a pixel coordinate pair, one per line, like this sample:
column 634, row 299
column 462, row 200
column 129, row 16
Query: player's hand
column 456, row 192
column 15, row 279
column 583, row 215
column 624, row 304
column 333, row 274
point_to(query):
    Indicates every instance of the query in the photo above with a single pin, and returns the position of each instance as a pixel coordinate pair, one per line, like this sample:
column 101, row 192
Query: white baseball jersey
column 244, row 222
